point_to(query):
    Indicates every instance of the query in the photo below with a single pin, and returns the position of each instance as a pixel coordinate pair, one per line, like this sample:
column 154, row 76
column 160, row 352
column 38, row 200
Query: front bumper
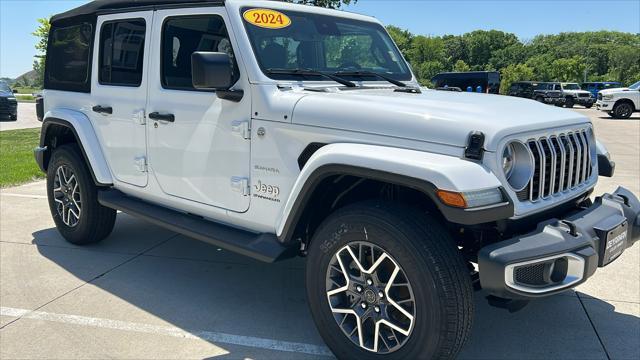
column 8, row 108
column 604, row 105
column 555, row 100
column 584, row 100
column 561, row 254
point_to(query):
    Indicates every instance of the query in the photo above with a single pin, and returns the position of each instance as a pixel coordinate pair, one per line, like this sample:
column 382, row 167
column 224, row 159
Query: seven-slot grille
column 562, row 162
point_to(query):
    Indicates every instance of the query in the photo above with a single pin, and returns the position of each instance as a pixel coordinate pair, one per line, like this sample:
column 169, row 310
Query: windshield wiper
column 307, row 72
column 371, row 73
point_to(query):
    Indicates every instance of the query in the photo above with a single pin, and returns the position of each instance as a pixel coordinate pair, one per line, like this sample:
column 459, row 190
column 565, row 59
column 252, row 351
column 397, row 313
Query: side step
column 263, row 247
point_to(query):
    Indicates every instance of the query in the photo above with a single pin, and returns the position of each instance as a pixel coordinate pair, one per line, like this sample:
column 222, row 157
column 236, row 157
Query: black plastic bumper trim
column 606, row 167
column 553, row 237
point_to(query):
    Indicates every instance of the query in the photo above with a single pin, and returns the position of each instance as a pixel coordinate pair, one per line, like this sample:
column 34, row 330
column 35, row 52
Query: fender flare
column 85, row 136
column 426, row 172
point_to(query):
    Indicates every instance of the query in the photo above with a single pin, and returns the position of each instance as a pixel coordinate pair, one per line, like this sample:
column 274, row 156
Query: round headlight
column 517, row 165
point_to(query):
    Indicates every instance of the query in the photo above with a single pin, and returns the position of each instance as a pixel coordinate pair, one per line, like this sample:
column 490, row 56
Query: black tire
column 569, row 103
column 94, row 221
column 540, row 99
column 14, row 117
column 433, row 266
column 588, row 106
column 622, row 110
column 610, row 113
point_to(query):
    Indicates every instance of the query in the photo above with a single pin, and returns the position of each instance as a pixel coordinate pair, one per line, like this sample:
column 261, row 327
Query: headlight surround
column 517, row 165
column 607, row 97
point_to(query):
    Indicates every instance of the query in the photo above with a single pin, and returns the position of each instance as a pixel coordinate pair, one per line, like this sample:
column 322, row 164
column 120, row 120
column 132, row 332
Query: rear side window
column 122, row 52
column 69, row 58
column 184, row 35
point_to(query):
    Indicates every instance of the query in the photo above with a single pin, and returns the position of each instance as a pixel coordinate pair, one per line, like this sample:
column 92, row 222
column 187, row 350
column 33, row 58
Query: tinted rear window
column 122, row 52
column 69, row 58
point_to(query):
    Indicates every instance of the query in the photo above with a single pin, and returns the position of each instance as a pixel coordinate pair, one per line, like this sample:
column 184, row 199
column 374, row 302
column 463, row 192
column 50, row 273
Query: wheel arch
column 63, row 126
column 341, row 174
column 627, row 101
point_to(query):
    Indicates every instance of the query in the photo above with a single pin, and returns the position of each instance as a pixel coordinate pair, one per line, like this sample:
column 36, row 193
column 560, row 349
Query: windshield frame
column 575, row 85
column 406, row 76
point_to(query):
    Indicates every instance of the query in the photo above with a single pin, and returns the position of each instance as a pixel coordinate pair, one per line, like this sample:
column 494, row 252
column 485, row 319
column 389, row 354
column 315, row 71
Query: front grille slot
column 561, row 163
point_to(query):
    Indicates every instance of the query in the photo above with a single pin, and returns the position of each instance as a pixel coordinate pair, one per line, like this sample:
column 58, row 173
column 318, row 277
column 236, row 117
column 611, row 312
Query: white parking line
column 214, row 337
column 23, row 195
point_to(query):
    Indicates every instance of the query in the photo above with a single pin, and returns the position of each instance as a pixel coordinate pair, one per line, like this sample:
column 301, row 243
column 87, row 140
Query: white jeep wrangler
column 278, row 130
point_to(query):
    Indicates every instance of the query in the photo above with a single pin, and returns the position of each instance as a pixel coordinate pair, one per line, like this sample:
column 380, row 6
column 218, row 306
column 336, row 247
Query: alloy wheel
column 370, row 297
column 66, row 193
column 623, row 110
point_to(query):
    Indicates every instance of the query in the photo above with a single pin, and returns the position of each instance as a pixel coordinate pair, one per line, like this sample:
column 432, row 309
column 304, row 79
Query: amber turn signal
column 452, row 198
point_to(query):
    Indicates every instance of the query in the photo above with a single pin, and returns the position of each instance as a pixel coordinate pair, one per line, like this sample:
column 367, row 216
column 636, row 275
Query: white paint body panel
column 121, row 134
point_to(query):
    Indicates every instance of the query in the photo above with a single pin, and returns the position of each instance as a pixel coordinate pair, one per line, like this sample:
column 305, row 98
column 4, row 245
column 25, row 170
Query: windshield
column 4, row 87
column 327, row 44
column 635, row 86
column 571, row 86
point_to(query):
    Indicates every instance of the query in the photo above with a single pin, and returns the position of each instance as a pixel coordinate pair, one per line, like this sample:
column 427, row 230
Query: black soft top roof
column 101, row 6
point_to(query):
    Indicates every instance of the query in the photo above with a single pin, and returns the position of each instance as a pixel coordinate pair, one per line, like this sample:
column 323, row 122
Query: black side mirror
column 214, row 70
column 14, row 91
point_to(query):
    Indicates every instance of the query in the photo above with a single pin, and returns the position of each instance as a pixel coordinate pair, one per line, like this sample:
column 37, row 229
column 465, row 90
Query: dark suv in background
column 540, row 92
column 8, row 102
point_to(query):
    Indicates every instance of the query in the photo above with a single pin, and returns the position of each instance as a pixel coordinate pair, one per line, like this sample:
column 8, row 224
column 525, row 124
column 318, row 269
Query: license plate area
column 613, row 239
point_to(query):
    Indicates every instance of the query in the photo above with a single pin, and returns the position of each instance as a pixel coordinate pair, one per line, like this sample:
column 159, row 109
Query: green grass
column 25, row 90
column 25, row 98
column 17, row 165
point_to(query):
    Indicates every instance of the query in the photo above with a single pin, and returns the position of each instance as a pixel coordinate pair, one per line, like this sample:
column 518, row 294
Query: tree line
column 598, row 55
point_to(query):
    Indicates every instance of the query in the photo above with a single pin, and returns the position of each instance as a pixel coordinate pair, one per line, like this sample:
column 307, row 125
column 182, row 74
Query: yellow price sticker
column 269, row 19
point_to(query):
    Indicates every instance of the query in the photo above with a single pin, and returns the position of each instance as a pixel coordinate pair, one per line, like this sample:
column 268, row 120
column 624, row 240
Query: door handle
column 162, row 117
column 102, row 109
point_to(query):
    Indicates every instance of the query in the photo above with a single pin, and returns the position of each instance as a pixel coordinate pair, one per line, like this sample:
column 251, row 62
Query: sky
column 525, row 18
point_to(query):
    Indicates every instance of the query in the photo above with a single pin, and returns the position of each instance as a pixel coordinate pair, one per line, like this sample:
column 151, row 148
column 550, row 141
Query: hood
column 6, row 94
column 577, row 91
column 442, row 117
column 614, row 90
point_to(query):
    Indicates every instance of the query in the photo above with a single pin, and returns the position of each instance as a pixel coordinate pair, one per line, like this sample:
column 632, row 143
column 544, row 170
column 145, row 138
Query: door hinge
column 241, row 128
column 241, row 185
column 141, row 163
column 140, row 117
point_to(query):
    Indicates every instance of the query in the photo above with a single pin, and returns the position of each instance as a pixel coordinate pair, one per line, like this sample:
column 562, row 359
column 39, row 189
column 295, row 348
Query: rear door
column 119, row 92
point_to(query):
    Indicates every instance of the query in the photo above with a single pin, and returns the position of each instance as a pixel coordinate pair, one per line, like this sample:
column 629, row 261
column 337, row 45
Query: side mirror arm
column 231, row 95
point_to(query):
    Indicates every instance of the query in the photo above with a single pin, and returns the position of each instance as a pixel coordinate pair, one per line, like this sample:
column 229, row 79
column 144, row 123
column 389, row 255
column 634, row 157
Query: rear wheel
column 73, row 198
column 389, row 283
column 622, row 110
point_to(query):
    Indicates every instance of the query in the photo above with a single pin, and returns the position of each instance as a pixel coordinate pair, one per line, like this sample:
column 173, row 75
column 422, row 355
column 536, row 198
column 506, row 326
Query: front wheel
column 569, row 103
column 388, row 283
column 622, row 110
column 73, row 198
column 588, row 106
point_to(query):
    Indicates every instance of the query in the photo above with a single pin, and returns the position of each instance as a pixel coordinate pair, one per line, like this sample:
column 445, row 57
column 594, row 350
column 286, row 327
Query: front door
column 119, row 92
column 199, row 147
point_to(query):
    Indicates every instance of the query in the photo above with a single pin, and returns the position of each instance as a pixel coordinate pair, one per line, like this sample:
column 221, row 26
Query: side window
column 69, row 58
column 184, row 35
column 122, row 52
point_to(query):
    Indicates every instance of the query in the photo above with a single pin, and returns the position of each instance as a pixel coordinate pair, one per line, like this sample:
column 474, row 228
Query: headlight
column 607, row 97
column 517, row 165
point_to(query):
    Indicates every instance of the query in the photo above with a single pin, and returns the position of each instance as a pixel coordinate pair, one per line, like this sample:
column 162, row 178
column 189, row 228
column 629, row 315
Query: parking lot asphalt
column 26, row 118
column 147, row 293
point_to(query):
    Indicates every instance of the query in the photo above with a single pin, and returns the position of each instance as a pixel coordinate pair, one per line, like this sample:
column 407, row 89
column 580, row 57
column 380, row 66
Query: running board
column 263, row 247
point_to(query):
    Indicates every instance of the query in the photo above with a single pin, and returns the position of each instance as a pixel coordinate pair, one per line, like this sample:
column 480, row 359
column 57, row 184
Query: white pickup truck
column 279, row 130
column 620, row 103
